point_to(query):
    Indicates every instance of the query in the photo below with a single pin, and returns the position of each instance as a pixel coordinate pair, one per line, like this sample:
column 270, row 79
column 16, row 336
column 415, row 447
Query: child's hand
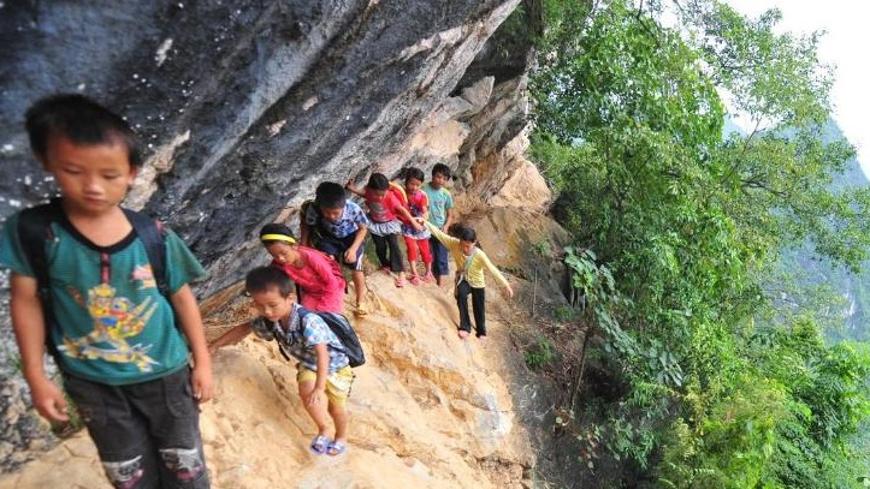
column 420, row 220
column 350, row 255
column 49, row 401
column 509, row 291
column 349, row 184
column 312, row 397
column 201, row 381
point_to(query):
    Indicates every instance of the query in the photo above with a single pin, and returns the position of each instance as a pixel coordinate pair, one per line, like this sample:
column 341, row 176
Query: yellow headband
column 277, row 237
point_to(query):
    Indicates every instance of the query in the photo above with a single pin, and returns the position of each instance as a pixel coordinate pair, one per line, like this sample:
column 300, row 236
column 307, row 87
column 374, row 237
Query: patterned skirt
column 385, row 228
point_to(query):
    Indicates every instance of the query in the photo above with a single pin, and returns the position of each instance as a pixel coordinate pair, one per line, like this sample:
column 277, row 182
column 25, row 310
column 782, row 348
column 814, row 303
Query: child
column 90, row 291
column 323, row 368
column 470, row 263
column 417, row 237
column 385, row 228
column 319, row 282
column 440, row 203
column 337, row 227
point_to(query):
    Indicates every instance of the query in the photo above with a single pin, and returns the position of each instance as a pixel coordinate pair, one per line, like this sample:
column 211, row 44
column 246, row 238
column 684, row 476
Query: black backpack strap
column 152, row 234
column 34, row 231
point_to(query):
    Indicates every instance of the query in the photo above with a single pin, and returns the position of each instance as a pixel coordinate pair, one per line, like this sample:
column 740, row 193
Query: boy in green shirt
column 100, row 312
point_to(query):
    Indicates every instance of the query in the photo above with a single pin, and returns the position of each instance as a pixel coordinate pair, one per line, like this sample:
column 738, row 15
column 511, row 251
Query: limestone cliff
column 244, row 107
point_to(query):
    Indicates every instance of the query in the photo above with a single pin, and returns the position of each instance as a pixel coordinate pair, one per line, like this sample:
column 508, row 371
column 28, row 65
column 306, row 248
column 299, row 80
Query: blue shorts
column 336, row 247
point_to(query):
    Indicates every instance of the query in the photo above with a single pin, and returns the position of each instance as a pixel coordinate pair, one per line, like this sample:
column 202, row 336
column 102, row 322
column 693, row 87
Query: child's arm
column 354, row 190
column 30, row 331
column 496, row 273
column 184, row 303
column 444, row 238
column 313, row 397
column 407, row 215
column 449, row 220
column 350, row 254
column 304, row 233
column 324, row 273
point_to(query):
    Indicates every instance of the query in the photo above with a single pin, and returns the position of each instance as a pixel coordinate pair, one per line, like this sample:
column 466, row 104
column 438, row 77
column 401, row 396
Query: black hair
column 330, row 195
column 455, row 229
column 466, row 233
column 378, row 181
column 261, row 279
column 275, row 228
column 415, row 173
column 442, row 169
column 82, row 121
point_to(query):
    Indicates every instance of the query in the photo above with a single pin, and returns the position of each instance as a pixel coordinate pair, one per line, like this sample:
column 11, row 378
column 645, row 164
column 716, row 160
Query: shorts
column 335, row 247
column 338, row 383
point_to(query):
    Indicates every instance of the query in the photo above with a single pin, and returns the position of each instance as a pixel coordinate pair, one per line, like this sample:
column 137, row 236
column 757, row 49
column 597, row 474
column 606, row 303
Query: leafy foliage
column 678, row 226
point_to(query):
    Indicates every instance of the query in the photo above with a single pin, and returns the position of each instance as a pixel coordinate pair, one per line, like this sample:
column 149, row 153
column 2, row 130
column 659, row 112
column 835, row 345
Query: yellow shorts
column 337, row 384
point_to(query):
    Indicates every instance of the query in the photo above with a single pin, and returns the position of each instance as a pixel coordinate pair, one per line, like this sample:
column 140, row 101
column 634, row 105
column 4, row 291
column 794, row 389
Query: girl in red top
column 416, row 238
column 384, row 208
column 320, row 284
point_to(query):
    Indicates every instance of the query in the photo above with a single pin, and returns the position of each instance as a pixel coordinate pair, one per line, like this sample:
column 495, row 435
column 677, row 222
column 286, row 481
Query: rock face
column 244, row 106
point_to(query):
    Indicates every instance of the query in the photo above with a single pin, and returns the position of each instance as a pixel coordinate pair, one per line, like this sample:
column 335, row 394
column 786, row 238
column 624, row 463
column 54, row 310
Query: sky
column 845, row 45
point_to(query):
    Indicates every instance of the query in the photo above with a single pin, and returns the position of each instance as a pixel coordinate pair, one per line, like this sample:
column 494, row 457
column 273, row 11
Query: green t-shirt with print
column 114, row 326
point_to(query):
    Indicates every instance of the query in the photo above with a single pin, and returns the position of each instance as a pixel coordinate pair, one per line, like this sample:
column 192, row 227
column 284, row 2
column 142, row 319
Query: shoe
column 429, row 278
column 361, row 310
column 415, row 280
column 463, row 334
column 386, row 269
column 319, row 445
column 400, row 281
column 336, row 448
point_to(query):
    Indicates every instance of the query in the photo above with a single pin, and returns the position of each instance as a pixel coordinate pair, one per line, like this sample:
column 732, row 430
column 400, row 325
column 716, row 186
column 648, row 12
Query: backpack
column 341, row 327
column 34, row 230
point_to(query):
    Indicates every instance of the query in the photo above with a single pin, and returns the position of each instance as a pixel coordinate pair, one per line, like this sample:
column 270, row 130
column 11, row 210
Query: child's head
column 379, row 184
column 271, row 290
column 467, row 239
column 91, row 151
column 413, row 179
column 440, row 175
column 330, row 200
column 279, row 242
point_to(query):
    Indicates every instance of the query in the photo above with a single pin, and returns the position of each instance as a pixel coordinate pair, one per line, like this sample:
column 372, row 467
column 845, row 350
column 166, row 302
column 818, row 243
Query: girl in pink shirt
column 416, row 238
column 319, row 282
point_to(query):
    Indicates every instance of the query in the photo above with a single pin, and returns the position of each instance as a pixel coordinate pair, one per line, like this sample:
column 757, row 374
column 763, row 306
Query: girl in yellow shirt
column 471, row 262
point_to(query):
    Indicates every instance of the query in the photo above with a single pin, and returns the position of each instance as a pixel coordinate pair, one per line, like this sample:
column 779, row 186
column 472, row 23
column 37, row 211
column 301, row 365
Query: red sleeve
column 393, row 204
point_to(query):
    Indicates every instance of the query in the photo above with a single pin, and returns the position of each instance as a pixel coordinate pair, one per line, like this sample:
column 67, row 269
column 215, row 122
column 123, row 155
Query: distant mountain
column 853, row 288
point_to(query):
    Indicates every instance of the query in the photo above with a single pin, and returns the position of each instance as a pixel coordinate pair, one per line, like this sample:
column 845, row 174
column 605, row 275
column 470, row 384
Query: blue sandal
column 319, row 445
column 336, row 448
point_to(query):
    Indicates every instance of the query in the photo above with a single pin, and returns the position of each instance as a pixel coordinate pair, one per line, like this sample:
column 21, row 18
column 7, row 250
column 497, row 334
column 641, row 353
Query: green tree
column 686, row 222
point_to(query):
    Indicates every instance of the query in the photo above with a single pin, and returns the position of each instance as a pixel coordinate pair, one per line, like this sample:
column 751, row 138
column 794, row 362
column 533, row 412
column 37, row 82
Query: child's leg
column 395, row 253
column 439, row 265
column 338, row 386
column 359, row 283
column 426, row 253
column 381, row 249
column 411, row 245
column 118, row 431
column 306, row 379
column 462, row 291
column 478, row 300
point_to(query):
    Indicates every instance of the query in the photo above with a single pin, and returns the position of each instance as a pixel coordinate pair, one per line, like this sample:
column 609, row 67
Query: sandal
column 319, row 445
column 429, row 278
column 415, row 280
column 400, row 281
column 386, row 269
column 336, row 448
